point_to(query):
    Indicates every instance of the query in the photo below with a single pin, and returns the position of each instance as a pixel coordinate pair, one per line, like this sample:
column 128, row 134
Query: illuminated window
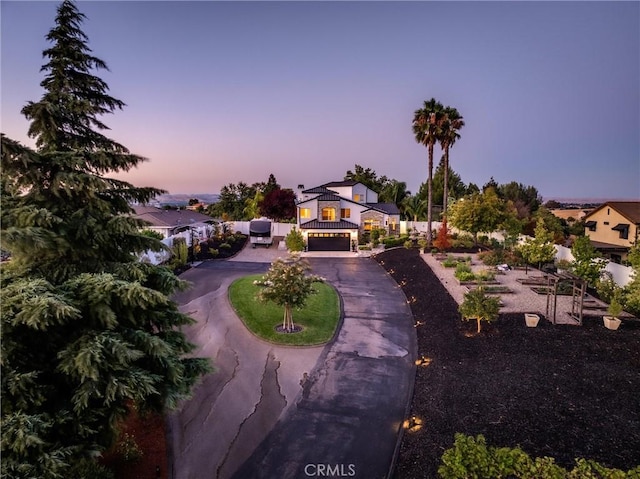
column 357, row 198
column 305, row 213
column 328, row 214
column 345, row 213
column 371, row 224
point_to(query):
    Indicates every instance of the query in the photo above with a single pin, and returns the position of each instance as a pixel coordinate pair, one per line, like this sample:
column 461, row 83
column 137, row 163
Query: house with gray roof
column 170, row 222
column 333, row 216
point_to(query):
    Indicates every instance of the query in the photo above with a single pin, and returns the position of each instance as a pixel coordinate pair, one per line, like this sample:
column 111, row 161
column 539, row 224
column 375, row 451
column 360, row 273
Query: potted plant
column 614, row 309
column 422, row 243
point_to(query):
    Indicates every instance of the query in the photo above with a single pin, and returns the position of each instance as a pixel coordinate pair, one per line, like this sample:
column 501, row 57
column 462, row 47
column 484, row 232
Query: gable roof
column 169, row 218
column 628, row 209
column 318, row 190
column 335, row 184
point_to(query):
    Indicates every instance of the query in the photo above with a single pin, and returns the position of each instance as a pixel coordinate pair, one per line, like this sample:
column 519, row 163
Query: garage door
column 329, row 242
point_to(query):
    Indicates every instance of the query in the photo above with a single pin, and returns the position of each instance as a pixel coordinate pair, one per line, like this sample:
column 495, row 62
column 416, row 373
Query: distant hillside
column 183, row 199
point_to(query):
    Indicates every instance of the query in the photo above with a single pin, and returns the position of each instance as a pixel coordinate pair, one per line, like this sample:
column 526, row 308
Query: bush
column 225, row 246
column 152, row 234
column 214, row 252
column 408, row 244
column 471, row 457
column 463, row 241
column 465, row 276
column 294, row 241
column 395, row 241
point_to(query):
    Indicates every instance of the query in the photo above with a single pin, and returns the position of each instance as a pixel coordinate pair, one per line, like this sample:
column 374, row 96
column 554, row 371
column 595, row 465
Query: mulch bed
column 561, row 391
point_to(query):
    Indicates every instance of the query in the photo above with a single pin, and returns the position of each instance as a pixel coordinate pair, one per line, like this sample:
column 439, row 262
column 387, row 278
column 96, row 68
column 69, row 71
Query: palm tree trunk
column 445, row 193
column 430, row 194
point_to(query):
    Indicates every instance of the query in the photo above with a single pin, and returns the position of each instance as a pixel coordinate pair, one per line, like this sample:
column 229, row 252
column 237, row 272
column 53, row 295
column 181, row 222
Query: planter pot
column 611, row 323
column 531, row 319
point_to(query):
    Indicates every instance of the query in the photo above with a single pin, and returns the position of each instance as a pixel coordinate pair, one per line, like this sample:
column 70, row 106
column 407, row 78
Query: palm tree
column 451, row 124
column 394, row 192
column 426, row 125
column 413, row 207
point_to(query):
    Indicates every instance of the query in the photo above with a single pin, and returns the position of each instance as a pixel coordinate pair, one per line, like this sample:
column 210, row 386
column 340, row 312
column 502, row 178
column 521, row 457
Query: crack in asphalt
column 271, row 399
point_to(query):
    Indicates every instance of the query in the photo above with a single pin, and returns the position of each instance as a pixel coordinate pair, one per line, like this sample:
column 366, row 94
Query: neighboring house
column 333, row 216
column 613, row 227
column 170, row 222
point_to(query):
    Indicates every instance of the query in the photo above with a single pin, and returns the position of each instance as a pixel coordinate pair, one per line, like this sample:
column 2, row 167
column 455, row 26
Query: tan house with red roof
column 613, row 227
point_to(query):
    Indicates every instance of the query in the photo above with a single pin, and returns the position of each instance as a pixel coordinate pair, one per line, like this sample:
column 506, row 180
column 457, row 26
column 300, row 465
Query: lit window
column 305, row 213
column 356, row 198
column 328, row 214
column 345, row 213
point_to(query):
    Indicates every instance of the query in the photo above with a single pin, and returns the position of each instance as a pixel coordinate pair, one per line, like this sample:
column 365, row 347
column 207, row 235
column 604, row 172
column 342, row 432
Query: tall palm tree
column 452, row 122
column 427, row 123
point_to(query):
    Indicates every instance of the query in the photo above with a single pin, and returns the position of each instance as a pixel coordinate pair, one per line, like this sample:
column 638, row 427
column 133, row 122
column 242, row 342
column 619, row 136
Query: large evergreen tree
column 87, row 329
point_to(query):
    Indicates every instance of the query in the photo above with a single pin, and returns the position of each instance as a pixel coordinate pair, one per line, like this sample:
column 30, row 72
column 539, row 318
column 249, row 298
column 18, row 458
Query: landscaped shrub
column 463, row 241
column 471, row 458
column 464, row 273
column 294, row 241
column 225, row 246
column 443, row 240
column 479, row 306
column 393, row 242
column 486, row 275
column 213, row 252
column 408, row 244
column 180, row 253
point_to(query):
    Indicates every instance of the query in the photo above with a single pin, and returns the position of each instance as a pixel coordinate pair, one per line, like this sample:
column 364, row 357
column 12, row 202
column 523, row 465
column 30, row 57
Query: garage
column 329, row 242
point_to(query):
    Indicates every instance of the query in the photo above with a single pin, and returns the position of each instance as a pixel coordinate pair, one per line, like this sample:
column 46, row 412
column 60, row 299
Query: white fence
column 620, row 274
column 277, row 229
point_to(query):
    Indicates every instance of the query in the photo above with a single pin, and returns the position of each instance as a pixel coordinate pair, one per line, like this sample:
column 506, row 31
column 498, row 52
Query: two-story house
column 333, row 216
column 613, row 227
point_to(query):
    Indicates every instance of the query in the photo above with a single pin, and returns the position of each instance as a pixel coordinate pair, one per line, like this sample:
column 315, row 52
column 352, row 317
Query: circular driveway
column 274, row 411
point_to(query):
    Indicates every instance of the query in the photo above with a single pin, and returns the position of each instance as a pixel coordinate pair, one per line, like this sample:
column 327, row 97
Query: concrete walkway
column 271, row 411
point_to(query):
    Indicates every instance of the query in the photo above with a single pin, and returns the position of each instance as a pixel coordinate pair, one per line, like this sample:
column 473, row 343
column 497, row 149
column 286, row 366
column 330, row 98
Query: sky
column 229, row 92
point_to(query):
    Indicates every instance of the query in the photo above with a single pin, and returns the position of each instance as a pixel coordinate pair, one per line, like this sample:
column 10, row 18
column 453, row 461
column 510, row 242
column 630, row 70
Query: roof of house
column 169, row 218
column 329, row 225
column 628, row 209
column 318, row 190
column 389, row 208
column 334, row 184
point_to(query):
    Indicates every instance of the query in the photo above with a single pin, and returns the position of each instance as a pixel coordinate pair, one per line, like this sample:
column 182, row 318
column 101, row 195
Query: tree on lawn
column 539, row 249
column 87, row 328
column 427, row 129
column 287, row 284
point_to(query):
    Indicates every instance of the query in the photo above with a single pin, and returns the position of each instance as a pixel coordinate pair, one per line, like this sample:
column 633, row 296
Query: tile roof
column 340, row 183
column 389, row 208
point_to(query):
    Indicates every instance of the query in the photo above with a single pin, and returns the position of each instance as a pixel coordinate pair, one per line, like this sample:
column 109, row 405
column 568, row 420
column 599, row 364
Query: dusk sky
column 223, row 92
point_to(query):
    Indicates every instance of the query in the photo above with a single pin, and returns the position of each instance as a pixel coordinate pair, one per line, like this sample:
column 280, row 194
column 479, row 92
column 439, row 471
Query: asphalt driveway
column 272, row 411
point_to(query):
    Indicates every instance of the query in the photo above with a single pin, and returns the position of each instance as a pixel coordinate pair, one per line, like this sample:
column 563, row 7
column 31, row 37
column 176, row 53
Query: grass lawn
column 319, row 318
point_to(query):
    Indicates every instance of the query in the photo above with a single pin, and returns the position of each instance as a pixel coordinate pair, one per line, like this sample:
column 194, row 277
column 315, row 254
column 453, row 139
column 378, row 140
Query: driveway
column 272, row 411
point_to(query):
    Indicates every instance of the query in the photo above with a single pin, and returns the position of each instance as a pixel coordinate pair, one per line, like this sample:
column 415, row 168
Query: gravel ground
column 561, row 391
column 522, row 300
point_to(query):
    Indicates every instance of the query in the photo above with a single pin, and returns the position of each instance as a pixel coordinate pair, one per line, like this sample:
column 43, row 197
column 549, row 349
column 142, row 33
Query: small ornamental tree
column 443, row 241
column 479, row 306
column 587, row 264
column 539, row 249
column 287, row 284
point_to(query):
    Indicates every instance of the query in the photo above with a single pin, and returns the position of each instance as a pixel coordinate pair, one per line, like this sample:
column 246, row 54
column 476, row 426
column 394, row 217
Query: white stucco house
column 333, row 216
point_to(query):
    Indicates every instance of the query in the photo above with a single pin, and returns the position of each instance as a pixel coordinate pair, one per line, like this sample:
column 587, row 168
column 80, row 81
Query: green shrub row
column 392, row 242
column 471, row 458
